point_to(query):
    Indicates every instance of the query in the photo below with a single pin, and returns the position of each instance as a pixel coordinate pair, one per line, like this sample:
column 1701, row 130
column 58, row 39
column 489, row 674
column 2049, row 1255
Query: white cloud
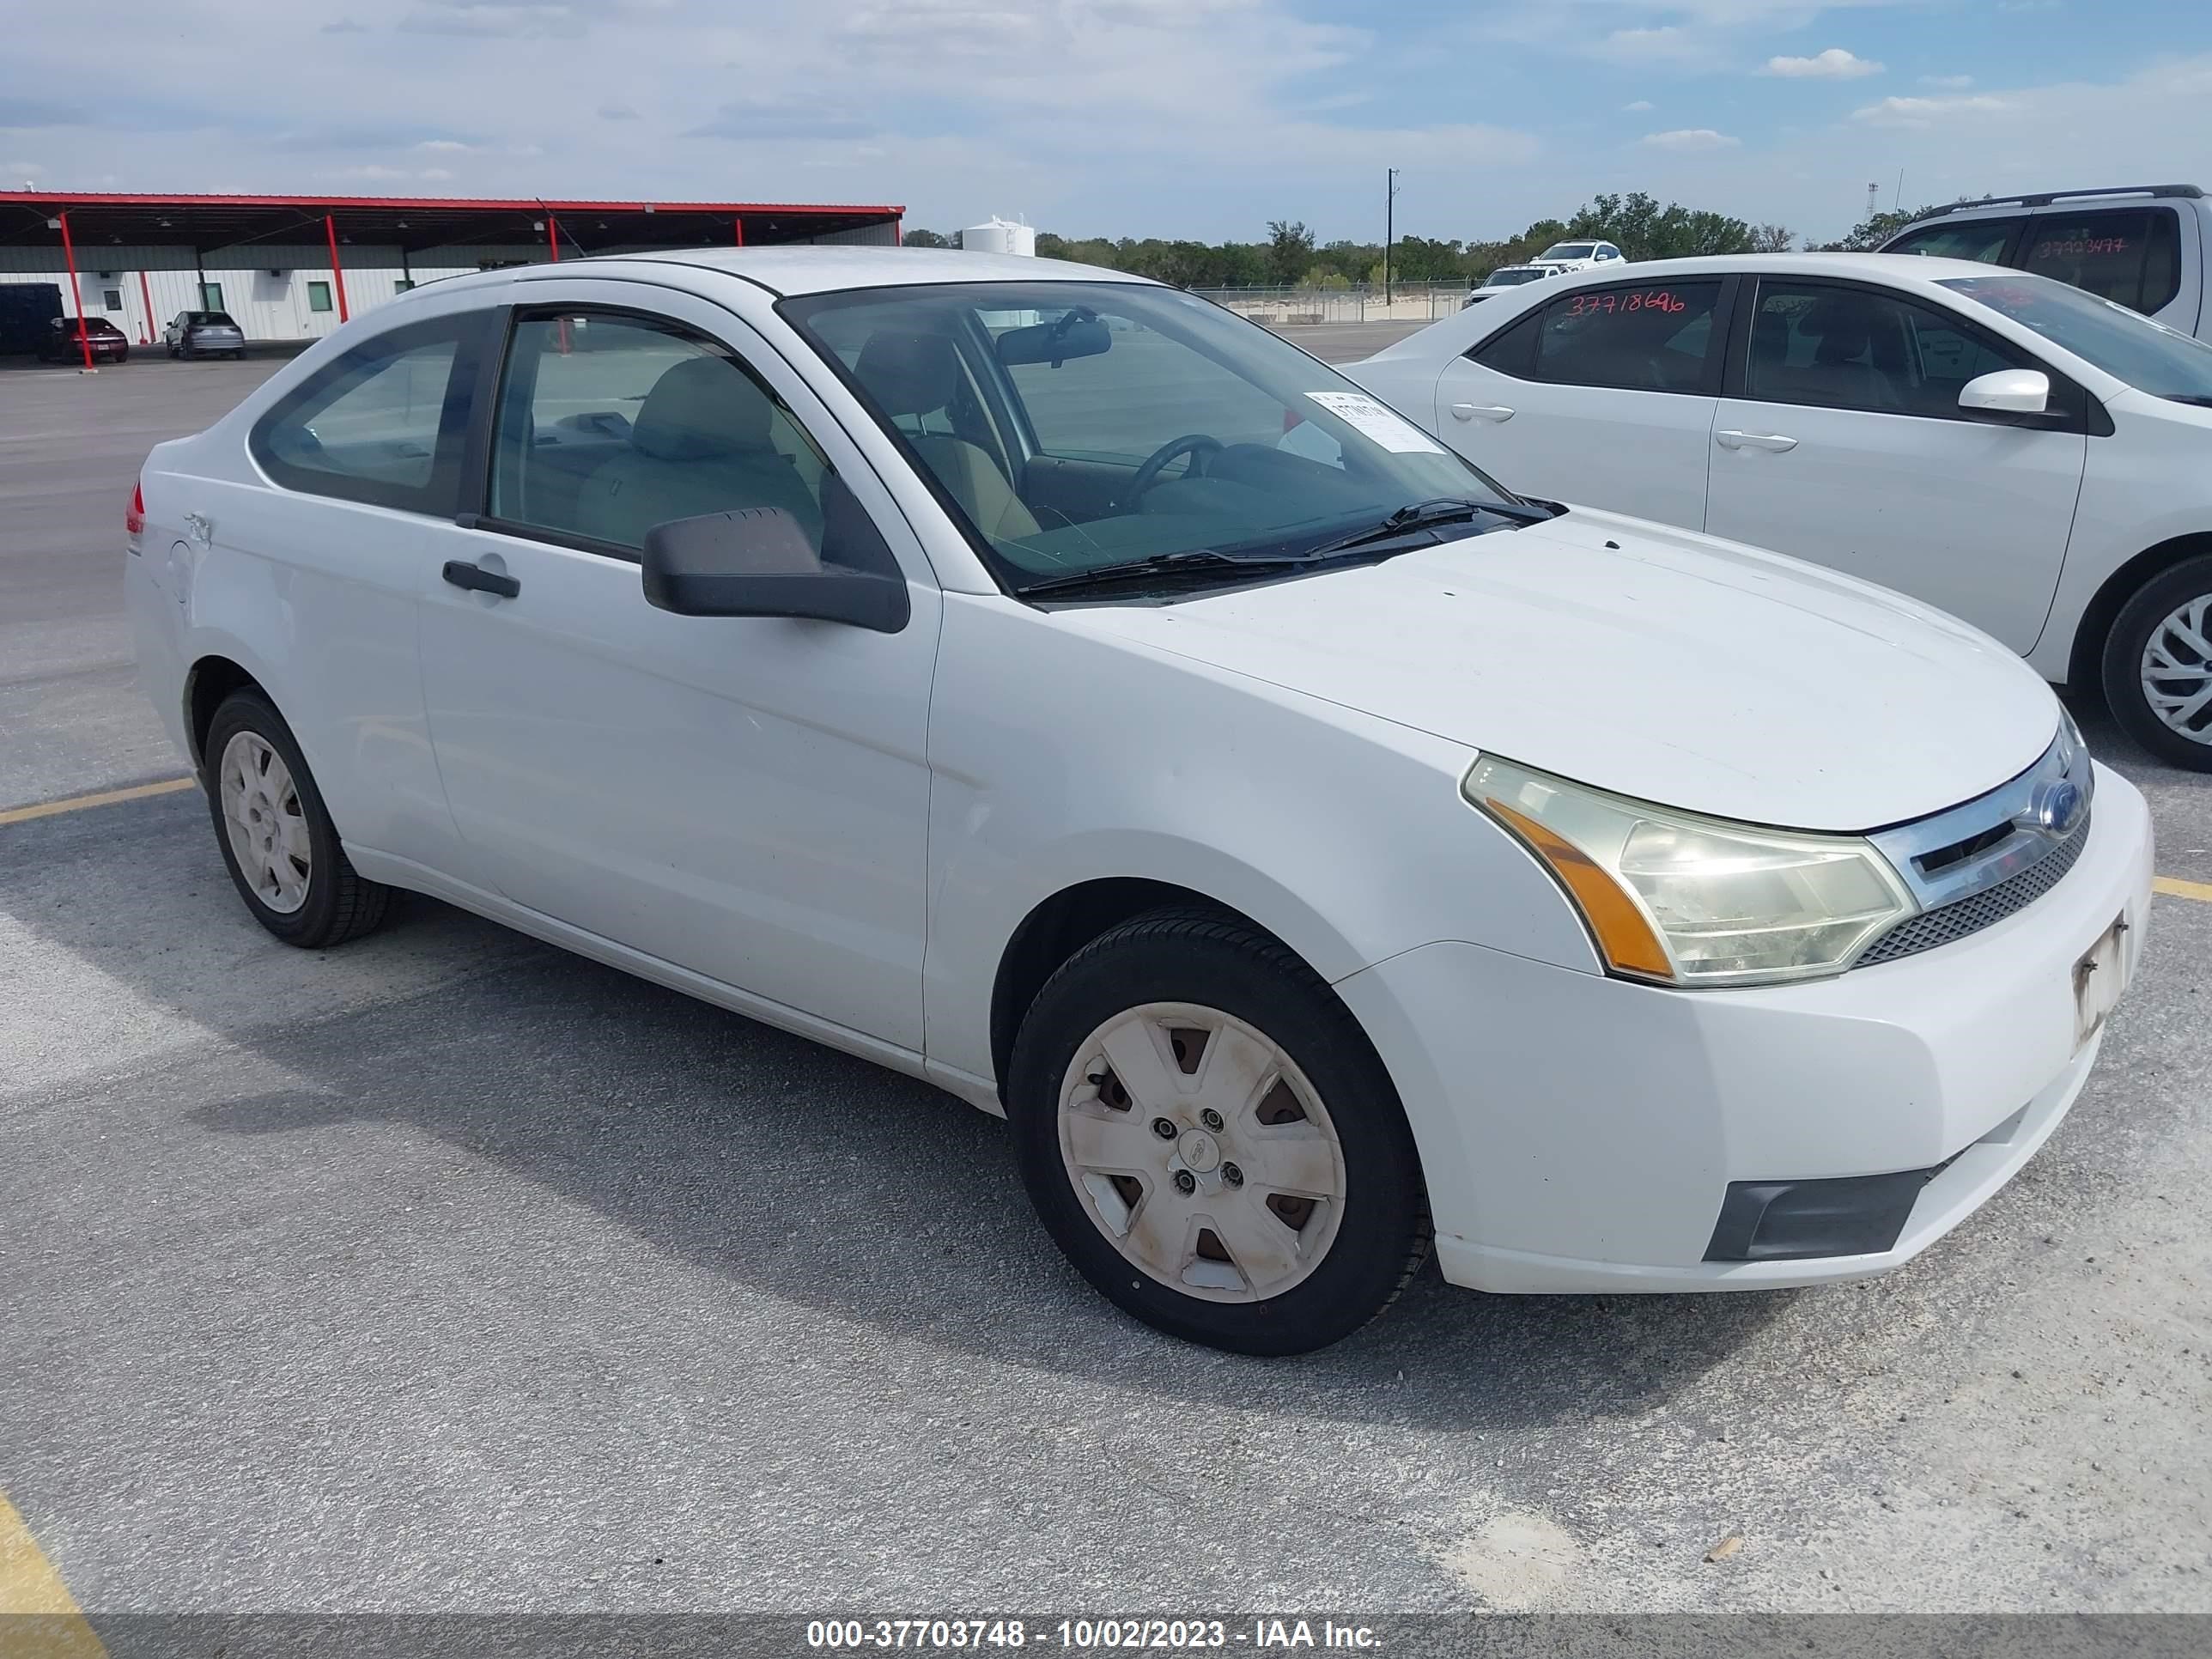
column 1687, row 141
column 1667, row 41
column 1642, row 106
column 1927, row 112
column 441, row 145
column 1952, row 81
column 435, row 173
column 1834, row 64
column 19, row 170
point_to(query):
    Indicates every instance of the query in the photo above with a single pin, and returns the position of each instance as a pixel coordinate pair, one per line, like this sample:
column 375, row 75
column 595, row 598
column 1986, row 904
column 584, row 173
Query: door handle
column 462, row 574
column 1480, row 412
column 1772, row 441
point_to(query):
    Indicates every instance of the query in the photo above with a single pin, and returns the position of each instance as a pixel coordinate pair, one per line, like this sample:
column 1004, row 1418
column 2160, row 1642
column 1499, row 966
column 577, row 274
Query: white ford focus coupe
column 1048, row 684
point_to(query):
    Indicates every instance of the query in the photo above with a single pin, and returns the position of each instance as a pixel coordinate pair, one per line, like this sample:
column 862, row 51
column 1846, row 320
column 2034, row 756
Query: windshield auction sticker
column 1370, row 420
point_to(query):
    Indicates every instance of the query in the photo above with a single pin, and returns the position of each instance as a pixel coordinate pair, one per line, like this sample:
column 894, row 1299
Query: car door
column 1603, row 396
column 2137, row 257
column 747, row 798
column 1842, row 441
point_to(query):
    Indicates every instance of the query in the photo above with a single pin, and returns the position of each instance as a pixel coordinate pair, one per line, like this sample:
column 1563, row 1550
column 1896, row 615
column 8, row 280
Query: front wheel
column 1208, row 1136
column 276, row 836
column 2158, row 665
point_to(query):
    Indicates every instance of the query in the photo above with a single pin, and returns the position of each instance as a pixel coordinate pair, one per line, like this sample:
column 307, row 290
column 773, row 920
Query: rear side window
column 2131, row 256
column 1655, row 336
column 384, row 424
column 1982, row 239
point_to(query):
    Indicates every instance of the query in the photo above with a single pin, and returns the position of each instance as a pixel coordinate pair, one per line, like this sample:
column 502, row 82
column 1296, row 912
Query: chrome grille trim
column 2014, row 807
column 1981, row 909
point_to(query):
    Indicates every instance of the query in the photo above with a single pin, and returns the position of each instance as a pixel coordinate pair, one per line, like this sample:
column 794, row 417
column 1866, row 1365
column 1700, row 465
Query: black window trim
column 475, row 494
column 2068, row 395
column 2018, row 262
column 1724, row 314
column 438, row 497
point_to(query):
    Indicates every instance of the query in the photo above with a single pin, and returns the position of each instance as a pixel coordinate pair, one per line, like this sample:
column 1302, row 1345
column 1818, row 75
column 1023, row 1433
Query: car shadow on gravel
column 819, row 1179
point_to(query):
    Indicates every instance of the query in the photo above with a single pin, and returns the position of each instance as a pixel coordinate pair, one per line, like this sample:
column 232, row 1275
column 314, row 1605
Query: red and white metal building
column 294, row 267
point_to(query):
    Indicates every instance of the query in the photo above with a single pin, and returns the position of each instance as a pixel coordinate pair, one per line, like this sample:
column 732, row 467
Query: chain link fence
column 1409, row 302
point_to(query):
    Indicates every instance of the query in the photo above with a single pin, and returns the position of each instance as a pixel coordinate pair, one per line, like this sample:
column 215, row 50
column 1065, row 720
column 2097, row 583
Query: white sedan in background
column 2030, row 458
column 1308, row 856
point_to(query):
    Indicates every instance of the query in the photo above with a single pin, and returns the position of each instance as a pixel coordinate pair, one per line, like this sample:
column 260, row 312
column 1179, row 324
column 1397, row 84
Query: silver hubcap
column 1199, row 1149
column 2177, row 669
column 268, row 831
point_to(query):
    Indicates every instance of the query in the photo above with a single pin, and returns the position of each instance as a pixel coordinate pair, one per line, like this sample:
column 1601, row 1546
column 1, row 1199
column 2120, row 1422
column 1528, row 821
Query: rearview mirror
column 1054, row 343
column 2007, row 392
column 756, row 562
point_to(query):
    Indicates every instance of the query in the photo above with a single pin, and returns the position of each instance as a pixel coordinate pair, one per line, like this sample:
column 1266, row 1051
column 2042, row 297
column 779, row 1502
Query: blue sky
column 1185, row 118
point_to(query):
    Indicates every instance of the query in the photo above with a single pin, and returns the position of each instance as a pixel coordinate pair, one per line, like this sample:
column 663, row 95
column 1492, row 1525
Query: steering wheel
column 1192, row 443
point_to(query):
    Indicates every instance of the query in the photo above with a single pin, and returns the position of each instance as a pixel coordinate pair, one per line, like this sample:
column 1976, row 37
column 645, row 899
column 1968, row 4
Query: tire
column 2152, row 631
column 1235, row 1260
column 277, row 840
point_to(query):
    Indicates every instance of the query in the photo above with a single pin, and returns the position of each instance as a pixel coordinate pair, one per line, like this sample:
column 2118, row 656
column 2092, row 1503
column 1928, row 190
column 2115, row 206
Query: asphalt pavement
column 447, row 1272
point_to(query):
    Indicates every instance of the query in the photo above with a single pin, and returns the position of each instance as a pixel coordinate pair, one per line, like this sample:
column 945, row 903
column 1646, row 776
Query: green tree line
column 1635, row 223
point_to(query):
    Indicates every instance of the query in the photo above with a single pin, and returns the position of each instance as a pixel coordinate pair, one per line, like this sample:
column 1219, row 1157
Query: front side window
column 1848, row 348
column 1650, row 337
column 2148, row 355
column 1072, row 426
column 2131, row 255
column 611, row 423
column 383, row 425
column 1982, row 239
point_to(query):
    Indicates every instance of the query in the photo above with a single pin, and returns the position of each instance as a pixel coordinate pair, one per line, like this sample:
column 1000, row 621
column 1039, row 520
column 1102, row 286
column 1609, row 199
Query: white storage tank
column 998, row 235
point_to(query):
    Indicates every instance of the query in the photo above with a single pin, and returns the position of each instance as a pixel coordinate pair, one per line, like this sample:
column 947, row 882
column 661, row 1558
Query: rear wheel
column 2158, row 665
column 277, row 840
column 1209, row 1137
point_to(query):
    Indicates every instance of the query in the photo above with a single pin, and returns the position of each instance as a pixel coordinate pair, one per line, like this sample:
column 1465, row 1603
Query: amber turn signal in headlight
column 1685, row 900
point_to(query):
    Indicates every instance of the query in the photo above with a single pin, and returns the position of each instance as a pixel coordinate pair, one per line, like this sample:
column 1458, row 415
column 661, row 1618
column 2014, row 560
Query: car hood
column 1679, row 669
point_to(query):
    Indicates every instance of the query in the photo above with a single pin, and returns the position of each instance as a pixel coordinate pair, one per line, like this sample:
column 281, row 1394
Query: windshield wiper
column 1156, row 564
column 1429, row 515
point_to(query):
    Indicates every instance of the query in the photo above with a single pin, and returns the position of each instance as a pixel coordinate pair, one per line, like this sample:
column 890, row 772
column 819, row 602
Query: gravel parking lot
column 447, row 1272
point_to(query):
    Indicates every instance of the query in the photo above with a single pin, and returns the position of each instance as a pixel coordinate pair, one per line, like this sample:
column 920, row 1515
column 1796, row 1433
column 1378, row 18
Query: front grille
column 1969, row 916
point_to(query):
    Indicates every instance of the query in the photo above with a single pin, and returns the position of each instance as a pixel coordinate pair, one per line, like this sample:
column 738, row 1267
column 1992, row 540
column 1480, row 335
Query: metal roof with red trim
column 414, row 224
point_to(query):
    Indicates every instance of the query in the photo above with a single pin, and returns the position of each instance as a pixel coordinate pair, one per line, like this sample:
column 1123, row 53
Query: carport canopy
column 567, row 229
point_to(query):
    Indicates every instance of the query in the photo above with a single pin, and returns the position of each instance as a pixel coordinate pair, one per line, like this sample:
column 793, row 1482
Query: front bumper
column 1581, row 1132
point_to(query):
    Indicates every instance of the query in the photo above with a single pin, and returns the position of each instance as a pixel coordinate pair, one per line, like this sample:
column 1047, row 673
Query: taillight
column 134, row 521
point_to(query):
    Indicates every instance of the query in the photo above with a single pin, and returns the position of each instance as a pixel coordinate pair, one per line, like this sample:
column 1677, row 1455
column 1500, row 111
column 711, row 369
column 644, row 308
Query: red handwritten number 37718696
column 1606, row 305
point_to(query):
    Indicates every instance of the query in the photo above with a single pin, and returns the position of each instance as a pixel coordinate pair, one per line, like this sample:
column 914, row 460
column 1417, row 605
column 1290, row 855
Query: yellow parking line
column 38, row 1617
column 2175, row 887
column 46, row 809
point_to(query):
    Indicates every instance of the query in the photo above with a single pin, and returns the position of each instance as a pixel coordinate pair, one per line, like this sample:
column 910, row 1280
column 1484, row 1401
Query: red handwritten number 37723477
column 1604, row 304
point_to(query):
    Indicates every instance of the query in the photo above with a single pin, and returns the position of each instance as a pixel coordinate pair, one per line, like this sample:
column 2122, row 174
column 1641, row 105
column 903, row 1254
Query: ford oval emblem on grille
column 2056, row 807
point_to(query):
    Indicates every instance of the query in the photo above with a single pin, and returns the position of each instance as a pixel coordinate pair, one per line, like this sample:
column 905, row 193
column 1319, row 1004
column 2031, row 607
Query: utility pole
column 1389, row 210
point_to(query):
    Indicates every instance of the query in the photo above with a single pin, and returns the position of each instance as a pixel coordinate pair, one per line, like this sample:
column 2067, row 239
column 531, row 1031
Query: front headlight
column 1685, row 900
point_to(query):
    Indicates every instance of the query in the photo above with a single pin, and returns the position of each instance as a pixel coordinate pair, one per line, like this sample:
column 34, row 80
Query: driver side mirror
column 2010, row 393
column 756, row 562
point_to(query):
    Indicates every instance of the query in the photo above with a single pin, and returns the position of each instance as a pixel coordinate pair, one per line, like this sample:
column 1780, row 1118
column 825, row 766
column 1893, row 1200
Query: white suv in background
column 2018, row 452
column 2141, row 247
column 1576, row 256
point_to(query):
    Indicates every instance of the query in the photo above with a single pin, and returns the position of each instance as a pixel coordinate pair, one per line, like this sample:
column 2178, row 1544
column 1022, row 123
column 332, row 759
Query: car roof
column 2012, row 207
column 1880, row 267
column 819, row 268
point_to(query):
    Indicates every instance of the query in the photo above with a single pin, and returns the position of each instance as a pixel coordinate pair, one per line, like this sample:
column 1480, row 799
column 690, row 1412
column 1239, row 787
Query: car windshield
column 1568, row 251
column 1072, row 426
column 2147, row 356
column 1512, row 276
column 212, row 319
